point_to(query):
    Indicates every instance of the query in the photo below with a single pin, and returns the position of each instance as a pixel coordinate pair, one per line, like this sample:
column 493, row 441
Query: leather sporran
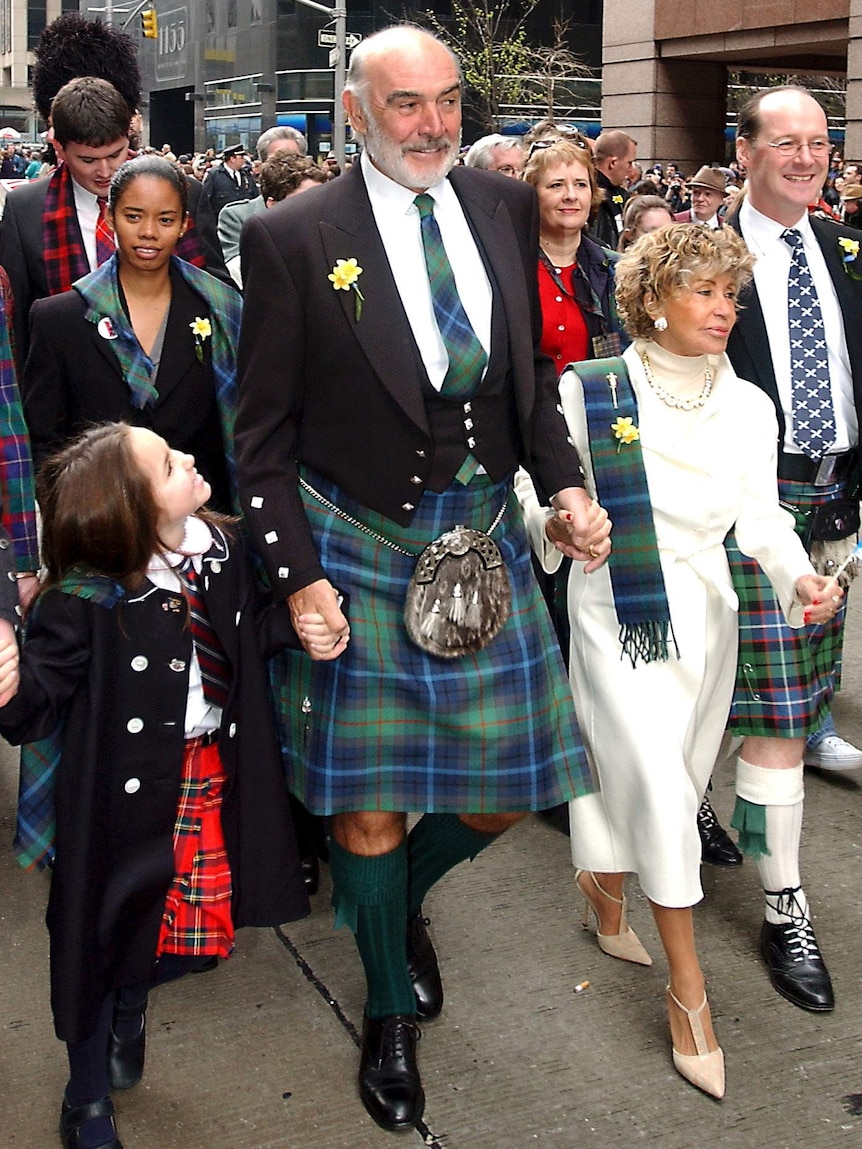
column 459, row 596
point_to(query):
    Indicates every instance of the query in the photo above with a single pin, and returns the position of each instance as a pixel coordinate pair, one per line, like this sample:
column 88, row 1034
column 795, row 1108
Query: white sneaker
column 833, row 753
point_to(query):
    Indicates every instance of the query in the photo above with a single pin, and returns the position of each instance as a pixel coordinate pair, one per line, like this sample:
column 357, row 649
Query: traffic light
column 150, row 24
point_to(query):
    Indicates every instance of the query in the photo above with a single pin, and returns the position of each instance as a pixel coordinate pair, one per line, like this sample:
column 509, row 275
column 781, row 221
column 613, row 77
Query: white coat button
column 561, row 328
column 11, row 576
column 407, row 507
column 135, row 725
column 4, row 543
column 468, row 423
column 231, row 730
column 471, row 442
column 132, row 786
column 283, row 572
column 139, row 662
column 176, row 664
column 415, row 479
column 215, row 567
column 468, row 407
column 421, row 454
column 559, row 299
column 256, row 501
column 271, row 536
column 238, row 617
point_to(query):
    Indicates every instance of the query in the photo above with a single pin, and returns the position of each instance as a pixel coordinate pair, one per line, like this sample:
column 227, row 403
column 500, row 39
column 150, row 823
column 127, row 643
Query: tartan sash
column 63, row 247
column 100, row 291
column 637, row 579
column 35, row 827
column 16, row 475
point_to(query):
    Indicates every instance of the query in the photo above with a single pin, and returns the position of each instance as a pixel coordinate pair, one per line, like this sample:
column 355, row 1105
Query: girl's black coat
column 119, row 678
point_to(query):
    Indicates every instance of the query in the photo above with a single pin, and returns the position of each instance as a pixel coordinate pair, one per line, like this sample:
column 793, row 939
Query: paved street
column 261, row 1054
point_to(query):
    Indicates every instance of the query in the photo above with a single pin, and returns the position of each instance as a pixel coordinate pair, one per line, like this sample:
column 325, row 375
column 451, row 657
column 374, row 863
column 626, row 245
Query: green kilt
column 388, row 727
column 785, row 678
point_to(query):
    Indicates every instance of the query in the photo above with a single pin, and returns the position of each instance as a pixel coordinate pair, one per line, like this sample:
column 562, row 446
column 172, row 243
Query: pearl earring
column 660, row 323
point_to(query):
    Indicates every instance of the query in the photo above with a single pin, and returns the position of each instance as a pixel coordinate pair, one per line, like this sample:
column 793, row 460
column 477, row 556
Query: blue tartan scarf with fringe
column 637, row 579
column 100, row 291
column 35, row 825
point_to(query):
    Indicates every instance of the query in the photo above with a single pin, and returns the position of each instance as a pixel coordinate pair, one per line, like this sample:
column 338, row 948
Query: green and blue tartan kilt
column 785, row 678
column 387, row 726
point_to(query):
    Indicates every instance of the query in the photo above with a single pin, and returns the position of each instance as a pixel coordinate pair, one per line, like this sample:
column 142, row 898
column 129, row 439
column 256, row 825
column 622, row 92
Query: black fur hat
column 72, row 46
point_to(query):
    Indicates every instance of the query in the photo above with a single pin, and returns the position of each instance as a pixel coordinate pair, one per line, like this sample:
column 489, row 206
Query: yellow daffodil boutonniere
column 617, row 199
column 201, row 329
column 850, row 253
column 625, row 431
column 344, row 276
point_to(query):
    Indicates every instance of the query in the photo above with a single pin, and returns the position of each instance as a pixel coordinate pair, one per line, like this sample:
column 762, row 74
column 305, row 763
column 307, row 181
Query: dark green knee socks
column 435, row 845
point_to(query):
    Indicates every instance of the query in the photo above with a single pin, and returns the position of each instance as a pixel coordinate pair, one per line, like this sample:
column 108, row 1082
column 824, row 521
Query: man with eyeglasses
column 796, row 337
column 503, row 154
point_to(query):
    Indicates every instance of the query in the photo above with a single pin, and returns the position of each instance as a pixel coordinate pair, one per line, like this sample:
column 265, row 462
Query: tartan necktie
column 813, row 416
column 467, row 357
column 211, row 656
column 105, row 246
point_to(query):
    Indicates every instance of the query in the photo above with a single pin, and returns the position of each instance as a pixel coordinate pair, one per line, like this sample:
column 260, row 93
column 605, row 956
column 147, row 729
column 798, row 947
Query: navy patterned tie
column 813, row 416
column 212, row 659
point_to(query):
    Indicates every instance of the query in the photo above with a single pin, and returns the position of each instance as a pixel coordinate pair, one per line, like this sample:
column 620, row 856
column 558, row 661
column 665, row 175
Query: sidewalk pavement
column 262, row 1053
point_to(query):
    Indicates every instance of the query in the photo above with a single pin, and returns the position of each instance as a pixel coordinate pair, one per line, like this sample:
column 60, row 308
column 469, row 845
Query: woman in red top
column 576, row 282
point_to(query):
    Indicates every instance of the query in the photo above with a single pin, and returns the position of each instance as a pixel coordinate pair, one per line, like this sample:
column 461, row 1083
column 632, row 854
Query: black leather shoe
column 311, row 873
column 73, row 1120
column 796, row 967
column 424, row 971
column 126, row 1054
column 558, row 818
column 716, row 845
column 389, row 1082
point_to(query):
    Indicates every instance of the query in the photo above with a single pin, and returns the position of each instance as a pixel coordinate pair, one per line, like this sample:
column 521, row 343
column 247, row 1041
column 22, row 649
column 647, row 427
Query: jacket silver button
column 421, row 454
column 468, row 407
column 132, row 785
column 415, row 479
column 215, row 567
column 407, row 507
column 231, row 730
column 139, row 662
column 135, row 725
column 468, row 423
column 177, row 664
column 471, row 442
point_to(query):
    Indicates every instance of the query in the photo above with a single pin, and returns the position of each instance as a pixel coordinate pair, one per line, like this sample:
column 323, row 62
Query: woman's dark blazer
column 72, row 379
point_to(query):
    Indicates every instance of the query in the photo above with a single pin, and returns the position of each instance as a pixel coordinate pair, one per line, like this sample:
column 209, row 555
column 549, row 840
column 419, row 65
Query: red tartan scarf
column 63, row 246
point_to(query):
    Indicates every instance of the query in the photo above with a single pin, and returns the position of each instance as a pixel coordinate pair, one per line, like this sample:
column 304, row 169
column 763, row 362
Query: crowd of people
column 281, row 600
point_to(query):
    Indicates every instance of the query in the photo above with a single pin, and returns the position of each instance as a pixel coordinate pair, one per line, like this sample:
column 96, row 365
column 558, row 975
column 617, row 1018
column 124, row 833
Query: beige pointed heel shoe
column 625, row 945
column 704, row 1069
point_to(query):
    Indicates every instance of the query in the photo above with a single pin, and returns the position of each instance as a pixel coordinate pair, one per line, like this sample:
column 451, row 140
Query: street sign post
column 327, row 38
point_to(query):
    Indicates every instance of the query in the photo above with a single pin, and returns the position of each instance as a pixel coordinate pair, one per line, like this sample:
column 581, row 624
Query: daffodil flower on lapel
column 201, row 329
column 343, row 277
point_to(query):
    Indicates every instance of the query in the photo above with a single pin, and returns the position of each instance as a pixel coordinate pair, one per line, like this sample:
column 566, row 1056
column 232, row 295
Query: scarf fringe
column 749, row 819
column 647, row 641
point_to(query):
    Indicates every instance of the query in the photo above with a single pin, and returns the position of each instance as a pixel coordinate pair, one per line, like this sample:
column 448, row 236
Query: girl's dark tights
column 88, row 1059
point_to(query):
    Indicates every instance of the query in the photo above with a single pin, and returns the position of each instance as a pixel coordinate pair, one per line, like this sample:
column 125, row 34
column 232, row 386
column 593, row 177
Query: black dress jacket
column 343, row 390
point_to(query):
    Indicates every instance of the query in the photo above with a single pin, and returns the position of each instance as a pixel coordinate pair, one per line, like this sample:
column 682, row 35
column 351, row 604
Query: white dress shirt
column 771, row 272
column 397, row 219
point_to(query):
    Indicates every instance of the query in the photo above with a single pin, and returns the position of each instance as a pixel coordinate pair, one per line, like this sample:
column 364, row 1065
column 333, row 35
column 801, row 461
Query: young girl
column 172, row 823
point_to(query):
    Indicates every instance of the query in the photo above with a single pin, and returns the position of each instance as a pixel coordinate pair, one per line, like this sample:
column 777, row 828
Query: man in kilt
column 797, row 338
column 371, row 420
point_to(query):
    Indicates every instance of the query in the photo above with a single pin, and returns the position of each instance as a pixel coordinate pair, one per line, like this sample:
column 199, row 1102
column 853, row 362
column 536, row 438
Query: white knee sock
column 782, row 793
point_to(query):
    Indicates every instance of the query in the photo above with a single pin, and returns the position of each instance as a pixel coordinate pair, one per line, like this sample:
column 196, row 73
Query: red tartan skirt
column 197, row 917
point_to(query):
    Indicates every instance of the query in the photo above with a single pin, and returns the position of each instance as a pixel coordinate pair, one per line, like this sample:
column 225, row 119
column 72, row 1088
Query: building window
column 231, row 13
column 37, row 18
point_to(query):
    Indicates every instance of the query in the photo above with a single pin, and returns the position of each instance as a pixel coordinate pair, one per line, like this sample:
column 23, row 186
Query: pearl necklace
column 671, row 400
